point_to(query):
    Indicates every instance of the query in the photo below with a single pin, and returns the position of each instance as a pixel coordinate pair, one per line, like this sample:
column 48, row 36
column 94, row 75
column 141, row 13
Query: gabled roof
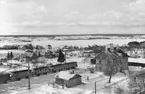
column 122, row 52
column 106, row 54
column 66, row 75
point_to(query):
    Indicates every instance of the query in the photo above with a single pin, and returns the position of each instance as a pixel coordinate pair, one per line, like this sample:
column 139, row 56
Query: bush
column 119, row 90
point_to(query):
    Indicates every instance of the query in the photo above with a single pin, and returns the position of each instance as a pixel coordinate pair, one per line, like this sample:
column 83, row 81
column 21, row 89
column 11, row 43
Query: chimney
column 108, row 49
column 72, row 72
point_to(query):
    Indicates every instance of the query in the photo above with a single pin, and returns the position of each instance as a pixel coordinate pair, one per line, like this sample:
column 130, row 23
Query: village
column 72, row 46
column 99, row 69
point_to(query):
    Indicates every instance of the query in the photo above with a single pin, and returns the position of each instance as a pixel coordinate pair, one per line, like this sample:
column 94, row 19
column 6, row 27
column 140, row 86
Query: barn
column 68, row 79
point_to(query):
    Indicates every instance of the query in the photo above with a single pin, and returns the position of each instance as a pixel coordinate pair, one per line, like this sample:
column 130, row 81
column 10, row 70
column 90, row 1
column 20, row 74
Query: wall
column 73, row 82
column 102, row 66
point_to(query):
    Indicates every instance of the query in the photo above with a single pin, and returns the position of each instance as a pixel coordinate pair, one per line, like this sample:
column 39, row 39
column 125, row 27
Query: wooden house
column 67, row 79
column 116, row 58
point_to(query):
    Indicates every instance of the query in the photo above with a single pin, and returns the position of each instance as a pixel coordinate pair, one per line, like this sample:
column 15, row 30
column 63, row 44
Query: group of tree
column 10, row 47
column 135, row 44
column 29, row 46
column 9, row 55
column 136, row 84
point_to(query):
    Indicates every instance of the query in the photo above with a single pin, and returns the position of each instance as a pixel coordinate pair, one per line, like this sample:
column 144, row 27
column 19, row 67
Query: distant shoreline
column 124, row 35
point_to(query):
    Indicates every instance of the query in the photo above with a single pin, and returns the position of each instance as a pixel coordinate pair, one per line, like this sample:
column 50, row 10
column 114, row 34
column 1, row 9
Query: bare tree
column 110, row 71
column 136, row 86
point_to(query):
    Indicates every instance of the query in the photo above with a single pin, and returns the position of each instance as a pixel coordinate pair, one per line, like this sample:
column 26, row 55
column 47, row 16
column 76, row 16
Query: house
column 88, row 53
column 68, row 79
column 137, row 53
column 114, row 56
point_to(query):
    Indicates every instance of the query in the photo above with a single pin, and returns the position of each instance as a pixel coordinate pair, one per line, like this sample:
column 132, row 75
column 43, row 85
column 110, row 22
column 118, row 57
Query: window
column 96, row 67
column 99, row 61
column 100, row 68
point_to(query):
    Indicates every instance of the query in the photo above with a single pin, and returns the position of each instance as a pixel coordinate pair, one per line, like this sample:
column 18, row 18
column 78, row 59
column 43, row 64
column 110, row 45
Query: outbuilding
column 68, row 79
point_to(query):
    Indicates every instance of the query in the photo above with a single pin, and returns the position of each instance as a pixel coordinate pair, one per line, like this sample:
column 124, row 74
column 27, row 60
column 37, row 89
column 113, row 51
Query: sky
column 28, row 17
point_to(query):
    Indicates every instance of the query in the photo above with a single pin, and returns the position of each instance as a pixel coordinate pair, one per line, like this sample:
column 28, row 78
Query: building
column 49, row 48
column 88, row 53
column 68, row 79
column 113, row 56
column 137, row 53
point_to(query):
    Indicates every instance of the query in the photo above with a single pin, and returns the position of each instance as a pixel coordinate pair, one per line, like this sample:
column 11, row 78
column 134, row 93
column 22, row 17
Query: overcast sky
column 72, row 17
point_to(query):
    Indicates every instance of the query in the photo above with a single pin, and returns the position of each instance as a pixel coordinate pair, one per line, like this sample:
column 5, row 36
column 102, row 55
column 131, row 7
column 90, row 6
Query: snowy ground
column 45, row 89
column 87, row 88
column 101, row 81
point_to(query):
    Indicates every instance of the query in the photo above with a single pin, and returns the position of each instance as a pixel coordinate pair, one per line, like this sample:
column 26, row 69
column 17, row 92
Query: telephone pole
column 95, row 88
column 27, row 58
column 29, row 76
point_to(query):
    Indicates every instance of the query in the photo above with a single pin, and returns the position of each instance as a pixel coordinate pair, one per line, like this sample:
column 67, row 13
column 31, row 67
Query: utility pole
column 29, row 76
column 95, row 88
column 65, row 56
column 27, row 61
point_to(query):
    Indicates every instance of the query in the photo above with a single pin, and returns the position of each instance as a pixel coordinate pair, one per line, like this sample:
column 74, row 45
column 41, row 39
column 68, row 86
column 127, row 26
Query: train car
column 41, row 70
column 18, row 75
column 72, row 65
column 65, row 66
column 56, row 68
column 4, row 77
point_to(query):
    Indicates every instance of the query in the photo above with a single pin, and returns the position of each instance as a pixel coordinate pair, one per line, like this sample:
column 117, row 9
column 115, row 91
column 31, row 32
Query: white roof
column 3, row 69
column 14, row 62
column 65, row 75
column 136, row 60
column 16, row 69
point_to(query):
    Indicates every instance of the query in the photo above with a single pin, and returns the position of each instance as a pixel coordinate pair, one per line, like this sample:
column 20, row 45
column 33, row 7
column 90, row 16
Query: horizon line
column 52, row 35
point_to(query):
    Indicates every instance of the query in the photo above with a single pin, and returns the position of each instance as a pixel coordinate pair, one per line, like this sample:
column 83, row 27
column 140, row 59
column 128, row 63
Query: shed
column 68, row 79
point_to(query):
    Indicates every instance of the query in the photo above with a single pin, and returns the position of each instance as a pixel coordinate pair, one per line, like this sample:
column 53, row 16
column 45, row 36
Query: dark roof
column 20, row 71
column 106, row 54
column 122, row 52
column 63, row 64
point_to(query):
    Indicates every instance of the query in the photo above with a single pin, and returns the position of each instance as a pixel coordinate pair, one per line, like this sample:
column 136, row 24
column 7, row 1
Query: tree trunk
column 110, row 79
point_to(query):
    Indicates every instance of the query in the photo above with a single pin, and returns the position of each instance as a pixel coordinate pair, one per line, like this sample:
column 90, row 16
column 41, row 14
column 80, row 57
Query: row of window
column 100, row 68
column 101, row 62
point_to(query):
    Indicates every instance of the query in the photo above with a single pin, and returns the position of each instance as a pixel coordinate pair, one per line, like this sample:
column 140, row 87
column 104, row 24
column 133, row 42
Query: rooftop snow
column 65, row 75
column 136, row 60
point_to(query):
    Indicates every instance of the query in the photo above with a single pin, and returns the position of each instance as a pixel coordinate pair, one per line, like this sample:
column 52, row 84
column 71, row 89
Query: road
column 35, row 82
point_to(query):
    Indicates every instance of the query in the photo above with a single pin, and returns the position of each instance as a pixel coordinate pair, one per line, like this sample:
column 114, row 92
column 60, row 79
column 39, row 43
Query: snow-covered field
column 82, row 43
